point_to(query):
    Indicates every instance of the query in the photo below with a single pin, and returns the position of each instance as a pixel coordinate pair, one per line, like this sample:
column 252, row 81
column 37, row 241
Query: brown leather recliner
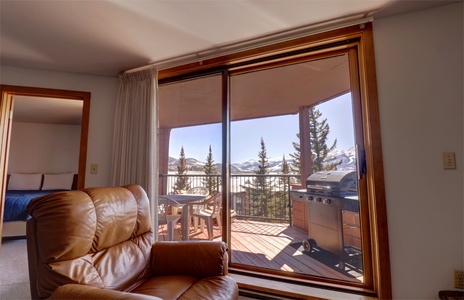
column 97, row 243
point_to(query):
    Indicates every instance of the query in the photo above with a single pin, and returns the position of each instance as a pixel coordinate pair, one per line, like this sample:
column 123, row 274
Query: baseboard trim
column 274, row 289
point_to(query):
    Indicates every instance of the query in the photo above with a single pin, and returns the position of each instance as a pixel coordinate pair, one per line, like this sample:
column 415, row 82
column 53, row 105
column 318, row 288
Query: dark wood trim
column 84, row 141
column 6, row 102
column 315, row 42
column 8, row 91
column 44, row 92
column 374, row 165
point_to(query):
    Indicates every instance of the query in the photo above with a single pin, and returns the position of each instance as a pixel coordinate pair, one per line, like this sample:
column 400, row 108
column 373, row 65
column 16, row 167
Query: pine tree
column 285, row 166
column 263, row 164
column 281, row 195
column 319, row 131
column 182, row 180
column 210, row 170
column 260, row 194
column 296, row 165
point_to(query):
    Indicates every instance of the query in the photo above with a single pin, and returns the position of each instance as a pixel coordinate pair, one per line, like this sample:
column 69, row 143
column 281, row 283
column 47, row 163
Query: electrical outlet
column 449, row 161
column 459, row 279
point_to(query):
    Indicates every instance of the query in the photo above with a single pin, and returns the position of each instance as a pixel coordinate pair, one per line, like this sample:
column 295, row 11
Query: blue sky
column 278, row 134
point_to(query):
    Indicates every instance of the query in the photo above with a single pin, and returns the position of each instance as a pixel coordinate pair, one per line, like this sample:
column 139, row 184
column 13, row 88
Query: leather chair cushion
column 79, row 291
column 168, row 259
column 166, row 287
column 188, row 287
column 217, row 288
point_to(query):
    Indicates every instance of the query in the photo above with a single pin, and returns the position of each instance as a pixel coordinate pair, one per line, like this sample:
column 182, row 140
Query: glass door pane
column 190, row 137
column 294, row 187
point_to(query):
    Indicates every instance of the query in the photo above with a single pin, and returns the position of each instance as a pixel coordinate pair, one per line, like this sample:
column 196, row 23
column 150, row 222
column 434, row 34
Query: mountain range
column 275, row 163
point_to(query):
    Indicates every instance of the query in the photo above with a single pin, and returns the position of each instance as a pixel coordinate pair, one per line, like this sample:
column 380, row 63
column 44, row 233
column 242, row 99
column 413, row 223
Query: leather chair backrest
column 100, row 237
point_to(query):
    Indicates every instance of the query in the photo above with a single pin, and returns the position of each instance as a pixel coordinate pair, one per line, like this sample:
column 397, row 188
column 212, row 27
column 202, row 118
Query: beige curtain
column 135, row 142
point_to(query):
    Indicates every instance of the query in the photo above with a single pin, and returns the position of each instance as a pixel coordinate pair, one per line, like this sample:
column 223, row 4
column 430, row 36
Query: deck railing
column 252, row 196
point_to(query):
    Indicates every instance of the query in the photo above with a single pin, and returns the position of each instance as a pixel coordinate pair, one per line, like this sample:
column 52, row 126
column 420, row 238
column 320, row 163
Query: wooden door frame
column 6, row 114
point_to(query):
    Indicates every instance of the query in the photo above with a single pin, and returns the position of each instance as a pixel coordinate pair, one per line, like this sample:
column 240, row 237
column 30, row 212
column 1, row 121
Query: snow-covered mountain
column 275, row 163
column 347, row 156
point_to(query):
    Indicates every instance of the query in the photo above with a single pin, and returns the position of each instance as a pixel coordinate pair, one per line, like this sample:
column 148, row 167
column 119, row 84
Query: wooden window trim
column 380, row 283
column 6, row 107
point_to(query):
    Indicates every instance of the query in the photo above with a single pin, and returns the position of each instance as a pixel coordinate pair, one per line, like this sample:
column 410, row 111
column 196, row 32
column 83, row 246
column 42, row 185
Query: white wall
column 44, row 148
column 102, row 104
column 419, row 58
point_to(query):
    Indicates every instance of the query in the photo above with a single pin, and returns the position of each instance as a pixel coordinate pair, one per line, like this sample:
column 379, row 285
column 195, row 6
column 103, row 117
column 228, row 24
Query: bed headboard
column 73, row 186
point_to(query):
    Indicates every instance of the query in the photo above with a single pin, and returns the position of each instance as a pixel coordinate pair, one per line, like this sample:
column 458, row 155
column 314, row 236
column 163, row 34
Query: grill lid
column 334, row 183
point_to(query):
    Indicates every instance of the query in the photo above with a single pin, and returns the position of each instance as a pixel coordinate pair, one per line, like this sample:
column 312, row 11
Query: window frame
column 358, row 41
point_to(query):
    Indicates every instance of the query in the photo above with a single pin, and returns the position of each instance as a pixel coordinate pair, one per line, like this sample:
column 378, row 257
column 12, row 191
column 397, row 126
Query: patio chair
column 164, row 217
column 210, row 213
column 197, row 190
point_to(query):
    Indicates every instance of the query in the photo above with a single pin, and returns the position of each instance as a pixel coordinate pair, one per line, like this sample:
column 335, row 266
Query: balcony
column 266, row 237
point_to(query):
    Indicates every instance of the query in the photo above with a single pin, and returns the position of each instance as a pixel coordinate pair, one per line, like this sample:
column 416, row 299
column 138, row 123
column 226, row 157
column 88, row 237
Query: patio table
column 189, row 200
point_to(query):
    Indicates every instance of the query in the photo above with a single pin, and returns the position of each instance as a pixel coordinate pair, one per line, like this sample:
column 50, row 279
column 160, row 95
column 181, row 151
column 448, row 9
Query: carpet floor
column 14, row 273
column 14, row 276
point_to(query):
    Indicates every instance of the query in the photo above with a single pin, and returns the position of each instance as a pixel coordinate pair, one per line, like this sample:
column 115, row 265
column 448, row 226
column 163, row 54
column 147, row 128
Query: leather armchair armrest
column 78, row 291
column 189, row 258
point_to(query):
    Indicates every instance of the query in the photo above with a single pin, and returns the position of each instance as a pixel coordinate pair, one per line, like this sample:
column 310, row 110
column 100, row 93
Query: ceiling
column 47, row 110
column 107, row 37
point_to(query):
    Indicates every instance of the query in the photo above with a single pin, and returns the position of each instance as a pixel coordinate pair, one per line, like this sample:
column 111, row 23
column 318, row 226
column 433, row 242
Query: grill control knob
column 318, row 199
column 327, row 201
column 310, row 198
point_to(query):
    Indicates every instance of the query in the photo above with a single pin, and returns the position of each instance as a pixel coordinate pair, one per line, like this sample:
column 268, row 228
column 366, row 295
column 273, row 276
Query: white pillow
column 58, row 181
column 22, row 181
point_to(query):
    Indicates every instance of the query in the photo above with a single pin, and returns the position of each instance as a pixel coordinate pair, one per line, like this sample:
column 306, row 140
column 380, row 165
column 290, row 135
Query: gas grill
column 333, row 183
column 329, row 195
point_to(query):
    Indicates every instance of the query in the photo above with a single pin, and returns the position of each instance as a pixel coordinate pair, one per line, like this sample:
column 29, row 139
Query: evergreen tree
column 210, row 170
column 285, row 166
column 260, row 193
column 296, row 165
column 182, row 180
column 263, row 164
column 282, row 194
column 319, row 131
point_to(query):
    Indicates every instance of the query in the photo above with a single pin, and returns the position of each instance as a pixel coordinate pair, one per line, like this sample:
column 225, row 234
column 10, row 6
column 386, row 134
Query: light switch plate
column 94, row 169
column 449, row 161
column 459, row 279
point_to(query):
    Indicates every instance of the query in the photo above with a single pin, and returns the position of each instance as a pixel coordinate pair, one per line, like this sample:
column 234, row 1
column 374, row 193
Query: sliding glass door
column 291, row 140
column 291, row 123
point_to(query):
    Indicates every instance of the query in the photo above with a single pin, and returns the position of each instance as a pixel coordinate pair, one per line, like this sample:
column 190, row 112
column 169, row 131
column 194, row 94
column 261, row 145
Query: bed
column 21, row 188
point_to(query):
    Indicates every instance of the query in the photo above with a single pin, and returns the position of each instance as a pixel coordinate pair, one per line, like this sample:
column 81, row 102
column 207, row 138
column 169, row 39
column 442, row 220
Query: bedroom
column 43, row 154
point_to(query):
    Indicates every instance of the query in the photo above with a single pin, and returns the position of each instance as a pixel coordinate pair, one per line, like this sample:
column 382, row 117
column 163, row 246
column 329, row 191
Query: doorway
column 7, row 103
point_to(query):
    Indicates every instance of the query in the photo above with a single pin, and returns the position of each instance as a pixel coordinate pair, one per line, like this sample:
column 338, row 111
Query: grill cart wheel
column 308, row 245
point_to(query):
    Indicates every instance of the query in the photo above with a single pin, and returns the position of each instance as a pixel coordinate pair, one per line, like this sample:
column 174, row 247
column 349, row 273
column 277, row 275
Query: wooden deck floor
column 276, row 247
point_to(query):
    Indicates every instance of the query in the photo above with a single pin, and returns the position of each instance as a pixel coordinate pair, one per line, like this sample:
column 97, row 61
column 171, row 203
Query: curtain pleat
column 135, row 149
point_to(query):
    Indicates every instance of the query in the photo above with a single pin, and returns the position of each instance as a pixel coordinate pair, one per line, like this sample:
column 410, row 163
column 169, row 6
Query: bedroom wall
column 419, row 60
column 102, row 103
column 44, row 148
